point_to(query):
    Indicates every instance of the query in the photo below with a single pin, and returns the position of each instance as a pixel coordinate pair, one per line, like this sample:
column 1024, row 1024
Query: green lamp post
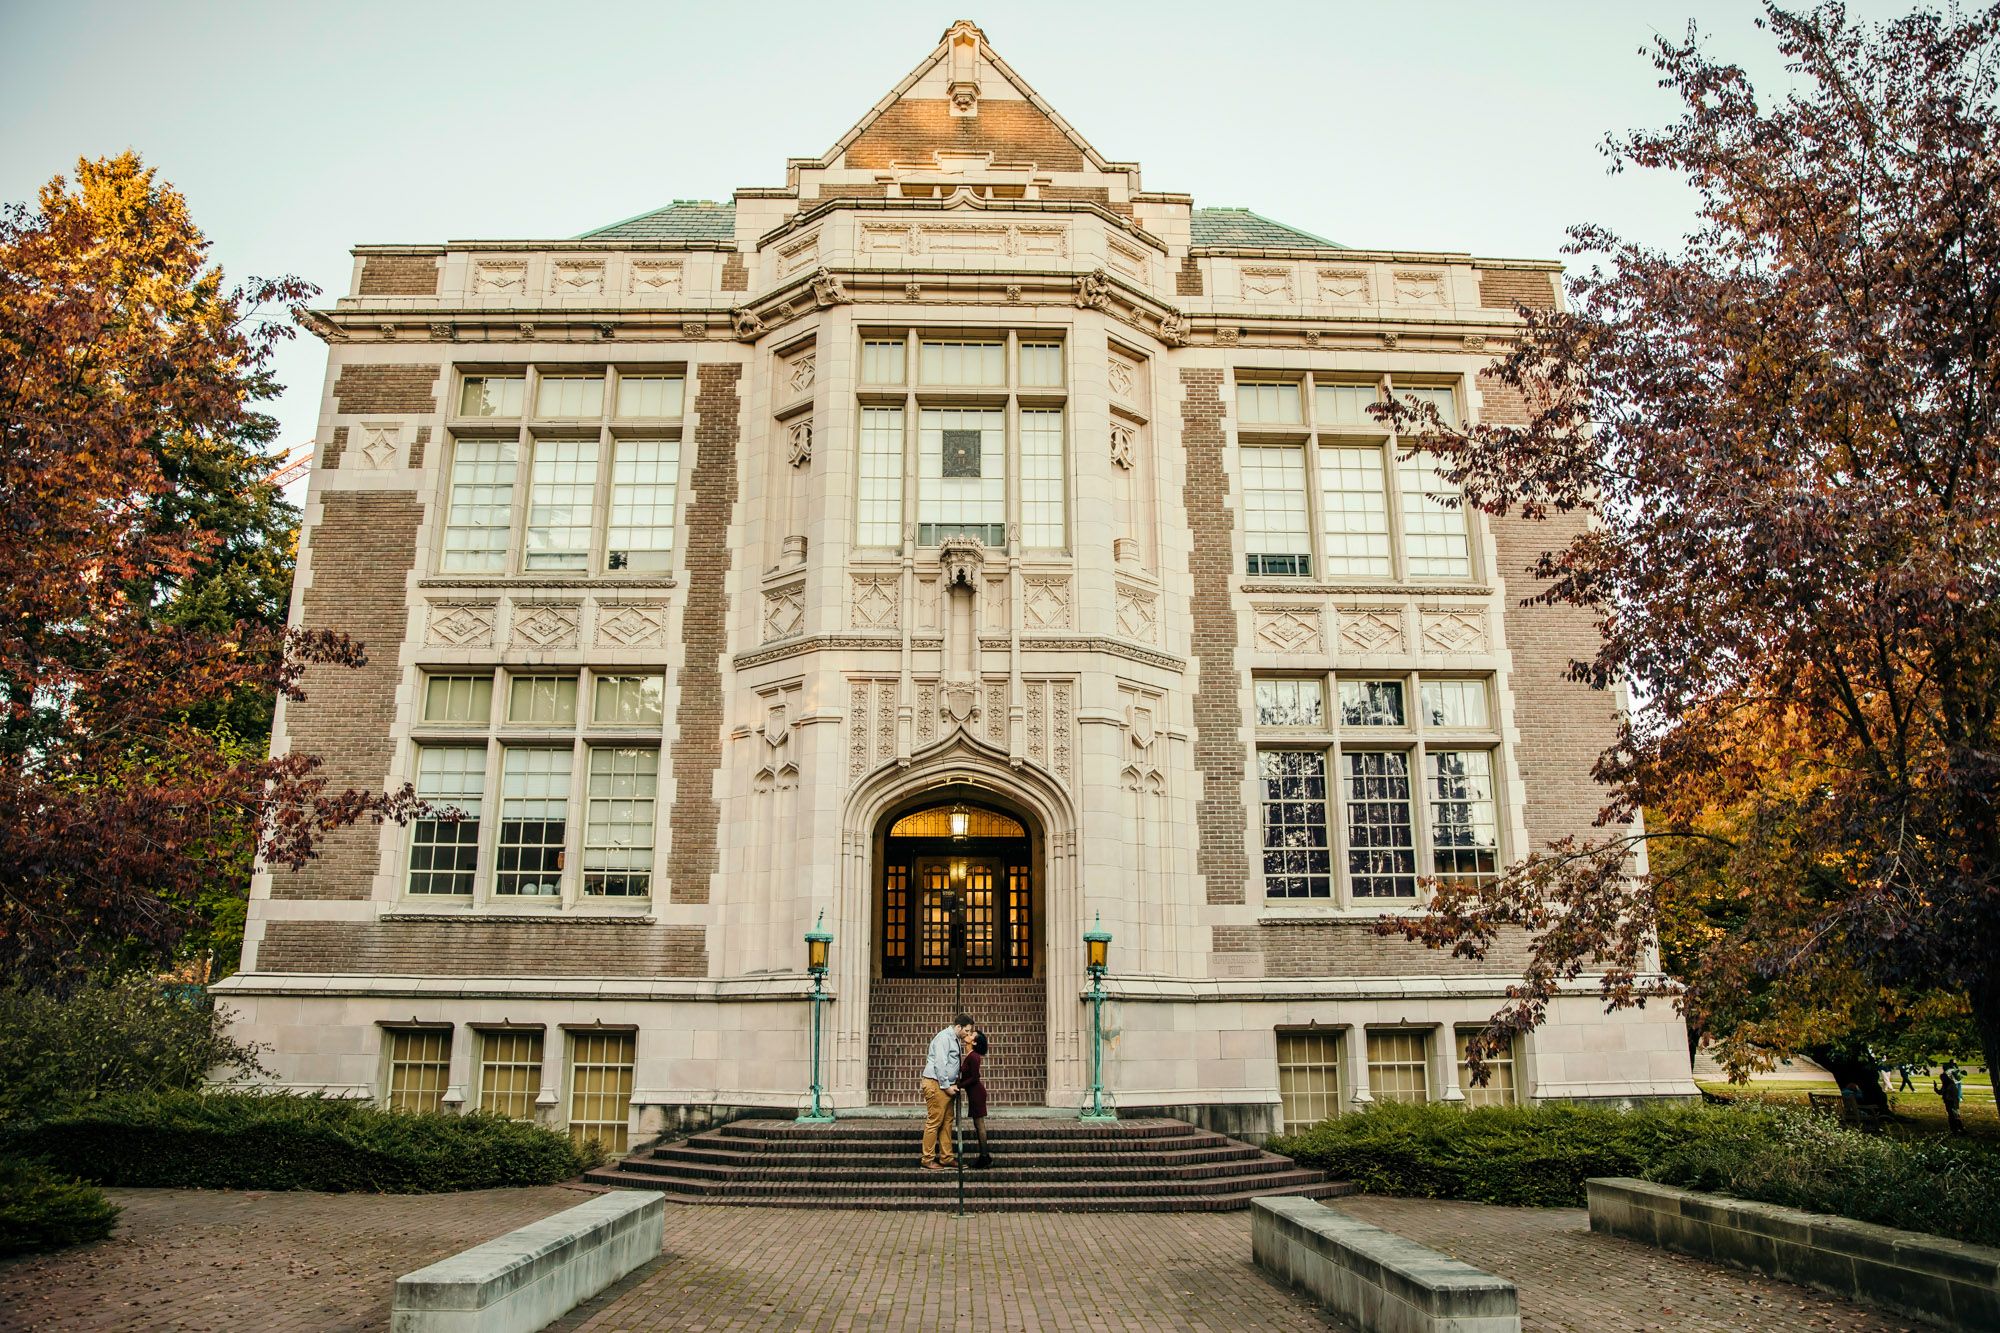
column 819, row 942
column 1097, row 954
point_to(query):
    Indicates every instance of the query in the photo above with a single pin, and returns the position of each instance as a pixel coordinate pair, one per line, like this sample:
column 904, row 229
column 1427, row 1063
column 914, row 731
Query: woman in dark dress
column 974, row 1088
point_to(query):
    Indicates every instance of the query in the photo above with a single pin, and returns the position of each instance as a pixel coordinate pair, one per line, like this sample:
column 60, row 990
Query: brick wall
column 1187, row 282
column 735, row 277
column 915, row 127
column 705, row 632
column 362, row 548
column 1563, row 725
column 399, row 275
column 417, row 449
column 1505, row 289
column 386, row 388
column 483, row 948
column 1218, row 719
column 1352, row 949
column 329, row 457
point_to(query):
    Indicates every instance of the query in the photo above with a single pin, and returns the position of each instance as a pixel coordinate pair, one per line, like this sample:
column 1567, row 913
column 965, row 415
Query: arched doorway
column 958, row 887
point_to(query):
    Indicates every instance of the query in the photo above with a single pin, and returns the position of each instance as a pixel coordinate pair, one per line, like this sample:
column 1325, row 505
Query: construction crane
column 291, row 471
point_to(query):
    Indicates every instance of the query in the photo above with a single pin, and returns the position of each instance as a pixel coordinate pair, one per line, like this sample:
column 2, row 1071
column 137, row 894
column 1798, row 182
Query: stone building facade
column 719, row 562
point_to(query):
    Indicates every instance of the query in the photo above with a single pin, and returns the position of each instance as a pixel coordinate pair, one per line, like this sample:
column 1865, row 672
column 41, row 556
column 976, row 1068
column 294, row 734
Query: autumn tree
column 140, row 607
column 1782, row 437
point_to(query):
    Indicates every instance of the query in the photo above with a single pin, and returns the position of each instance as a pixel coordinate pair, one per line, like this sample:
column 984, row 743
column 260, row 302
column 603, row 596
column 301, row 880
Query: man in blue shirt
column 940, row 1085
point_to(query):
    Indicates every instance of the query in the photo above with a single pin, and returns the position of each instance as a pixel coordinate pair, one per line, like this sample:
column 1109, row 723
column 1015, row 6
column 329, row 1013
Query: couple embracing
column 952, row 1067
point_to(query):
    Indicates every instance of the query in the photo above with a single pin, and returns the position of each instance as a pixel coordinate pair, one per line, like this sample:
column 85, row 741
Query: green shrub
column 109, row 1037
column 42, row 1211
column 1541, row 1155
column 246, row 1140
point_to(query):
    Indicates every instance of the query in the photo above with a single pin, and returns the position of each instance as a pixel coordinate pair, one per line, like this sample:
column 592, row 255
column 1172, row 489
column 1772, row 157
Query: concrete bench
column 1378, row 1281
column 538, row 1273
column 1946, row 1281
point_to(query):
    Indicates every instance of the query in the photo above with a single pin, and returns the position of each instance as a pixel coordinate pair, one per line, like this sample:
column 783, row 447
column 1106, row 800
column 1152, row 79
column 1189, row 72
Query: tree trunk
column 1856, row 1066
column 1985, row 999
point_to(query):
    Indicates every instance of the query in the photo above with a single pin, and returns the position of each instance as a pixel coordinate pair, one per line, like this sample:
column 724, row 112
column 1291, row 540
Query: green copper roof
column 1239, row 226
column 682, row 220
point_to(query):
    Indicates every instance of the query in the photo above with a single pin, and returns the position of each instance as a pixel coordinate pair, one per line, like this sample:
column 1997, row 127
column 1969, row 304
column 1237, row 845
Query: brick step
column 1122, row 1131
column 1002, row 1171
column 1081, row 1203
column 936, row 1184
column 1016, row 1158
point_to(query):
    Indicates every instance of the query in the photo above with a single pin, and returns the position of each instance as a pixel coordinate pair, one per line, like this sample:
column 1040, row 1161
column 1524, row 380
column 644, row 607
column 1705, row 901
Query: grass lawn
column 1922, row 1111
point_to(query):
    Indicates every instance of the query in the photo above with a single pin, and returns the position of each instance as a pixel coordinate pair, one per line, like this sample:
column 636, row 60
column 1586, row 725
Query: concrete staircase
column 1039, row 1165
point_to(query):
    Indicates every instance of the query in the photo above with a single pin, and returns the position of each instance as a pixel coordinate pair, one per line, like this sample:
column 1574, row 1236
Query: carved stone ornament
column 1045, row 602
column 875, row 601
column 1420, row 289
column 748, row 326
column 658, row 279
column 1454, row 631
column 777, row 728
column 802, row 442
column 499, row 279
column 1122, row 452
column 547, row 624
column 913, row 291
column 1135, row 613
column 1312, row 337
column 1390, row 341
column 1343, row 285
column 1229, row 337
column 826, row 289
column 784, row 611
column 1119, row 371
column 1267, row 282
column 443, row 333
column 1173, row 328
column 961, row 702
column 576, row 278
column 1140, row 723
column 1013, row 293
column 804, row 368
column 694, row 330
column 631, row 625
column 1093, row 291
column 382, row 446
column 961, row 558
column 1475, row 342
column 1371, row 631
column 462, row 624
column 1290, row 629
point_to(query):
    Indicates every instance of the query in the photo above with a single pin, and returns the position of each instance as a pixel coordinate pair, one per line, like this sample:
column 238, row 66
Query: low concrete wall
column 1946, row 1281
column 1378, row 1281
column 528, row 1277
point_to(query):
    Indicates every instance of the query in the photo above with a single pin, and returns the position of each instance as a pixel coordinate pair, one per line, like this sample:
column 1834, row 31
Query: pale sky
column 299, row 129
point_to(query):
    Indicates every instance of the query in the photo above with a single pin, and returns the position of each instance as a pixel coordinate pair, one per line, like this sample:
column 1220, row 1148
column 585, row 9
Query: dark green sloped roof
column 1239, row 226
column 682, row 220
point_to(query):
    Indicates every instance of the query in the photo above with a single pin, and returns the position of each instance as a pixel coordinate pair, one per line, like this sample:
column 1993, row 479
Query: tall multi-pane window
column 980, row 364
column 961, row 474
column 1434, row 534
column 444, row 853
column 534, row 822
column 1298, row 862
column 541, row 701
column 882, row 360
column 480, row 512
column 570, row 396
column 879, row 503
column 510, row 1072
column 419, row 1068
column 1042, row 478
column 1381, row 841
column 1501, row 1089
column 492, row 395
column 640, row 533
column 618, row 821
column 1399, row 1065
column 1354, row 502
column 459, row 700
column 1274, row 509
column 561, row 492
column 600, row 1088
column 1308, row 1078
column 1465, row 839
column 1268, row 405
column 1041, row 365
column 1345, row 406
column 650, row 395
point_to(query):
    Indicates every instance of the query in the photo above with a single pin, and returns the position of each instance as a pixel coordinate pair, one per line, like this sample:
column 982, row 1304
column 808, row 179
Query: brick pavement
column 190, row 1260
column 1571, row 1278
column 199, row 1260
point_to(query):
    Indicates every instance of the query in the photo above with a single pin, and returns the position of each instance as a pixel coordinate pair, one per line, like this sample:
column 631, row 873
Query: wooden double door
column 947, row 912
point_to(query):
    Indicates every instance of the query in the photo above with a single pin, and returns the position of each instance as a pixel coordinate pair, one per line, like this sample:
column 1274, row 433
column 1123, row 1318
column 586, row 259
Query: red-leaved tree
column 1784, row 435
column 120, row 346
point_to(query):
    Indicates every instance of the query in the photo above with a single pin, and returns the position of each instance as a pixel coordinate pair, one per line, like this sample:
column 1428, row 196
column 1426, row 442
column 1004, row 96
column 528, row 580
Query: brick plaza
column 191, row 1261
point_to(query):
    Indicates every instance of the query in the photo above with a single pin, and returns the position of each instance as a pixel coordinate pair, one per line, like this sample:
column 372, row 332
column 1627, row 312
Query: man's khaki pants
column 937, row 1110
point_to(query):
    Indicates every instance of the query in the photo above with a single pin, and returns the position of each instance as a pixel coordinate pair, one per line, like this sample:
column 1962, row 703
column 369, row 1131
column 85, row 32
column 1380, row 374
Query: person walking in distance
column 974, row 1088
column 940, row 1085
column 1952, row 1091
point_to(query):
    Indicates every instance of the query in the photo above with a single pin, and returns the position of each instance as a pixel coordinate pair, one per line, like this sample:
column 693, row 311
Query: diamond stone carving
column 462, row 624
column 1454, row 631
column 1371, row 631
column 547, row 624
column 1290, row 629
column 634, row 625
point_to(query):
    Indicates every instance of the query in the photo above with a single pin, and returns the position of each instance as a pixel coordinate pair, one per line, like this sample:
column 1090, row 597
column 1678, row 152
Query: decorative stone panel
column 1371, row 630
column 1343, row 286
column 1420, row 288
column 1045, row 602
column 461, row 624
column 631, row 624
column 875, row 601
column 784, row 611
column 871, row 724
column 661, row 278
column 381, row 446
column 544, row 624
column 1051, row 724
column 994, row 616
column 996, row 712
column 1137, row 613
column 578, row 277
column 1290, row 629
column 993, row 240
column 499, row 278
column 1266, row 282
column 927, row 712
column 801, row 370
column 1461, row 631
